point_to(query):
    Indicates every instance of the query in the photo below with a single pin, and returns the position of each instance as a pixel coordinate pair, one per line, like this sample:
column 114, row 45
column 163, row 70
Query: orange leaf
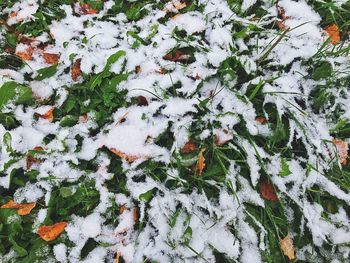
column 47, row 115
column 49, row 233
column 287, row 247
column 342, row 149
column 27, row 54
column 201, row 162
column 180, row 5
column 87, row 9
column 261, row 120
column 51, row 58
column 135, row 215
column 129, row 158
column 75, row 70
column 267, row 191
column 117, row 256
column 333, row 32
column 189, row 147
column 23, row 209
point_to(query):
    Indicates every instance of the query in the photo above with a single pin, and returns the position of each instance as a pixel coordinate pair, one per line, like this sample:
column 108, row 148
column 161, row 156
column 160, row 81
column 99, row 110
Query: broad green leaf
column 284, row 168
column 322, row 71
column 69, row 121
column 45, row 73
column 12, row 90
column 145, row 197
column 20, row 250
column 6, row 139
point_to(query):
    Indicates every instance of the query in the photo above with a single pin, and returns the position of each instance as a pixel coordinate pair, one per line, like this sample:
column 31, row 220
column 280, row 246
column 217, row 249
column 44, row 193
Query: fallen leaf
column 261, row 120
column 117, row 256
column 47, row 115
column 189, row 147
column 135, row 215
column 128, row 158
column 201, row 162
column 287, row 247
column 26, row 54
column 23, row 209
column 333, row 32
column 51, row 58
column 197, row 77
column 142, row 101
column 49, row 233
column 342, row 149
column 138, row 69
column 267, row 191
column 75, row 70
column 176, row 56
column 30, row 160
column 87, row 9
column 122, row 209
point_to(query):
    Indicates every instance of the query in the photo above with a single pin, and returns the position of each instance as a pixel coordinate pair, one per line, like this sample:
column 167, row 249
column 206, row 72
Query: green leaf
column 145, row 197
column 113, row 58
column 12, row 90
column 45, row 73
column 65, row 192
column 20, row 250
column 69, row 121
column 6, row 139
column 322, row 71
column 284, row 168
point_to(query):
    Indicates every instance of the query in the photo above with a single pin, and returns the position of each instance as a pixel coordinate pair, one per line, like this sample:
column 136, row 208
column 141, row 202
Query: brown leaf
column 179, row 5
column 117, row 256
column 26, row 54
column 51, row 58
column 142, row 101
column 135, row 215
column 333, row 32
column 287, row 247
column 267, row 191
column 87, row 9
column 261, row 120
column 30, row 160
column 176, row 56
column 189, row 147
column 75, row 70
column 128, row 158
column 49, row 233
column 47, row 115
column 342, row 149
column 23, row 209
column 201, row 162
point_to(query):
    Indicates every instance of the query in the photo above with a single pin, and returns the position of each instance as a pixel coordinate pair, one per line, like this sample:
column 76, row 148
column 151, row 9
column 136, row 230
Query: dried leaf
column 30, row 160
column 51, row 58
column 47, row 115
column 128, row 158
column 75, row 70
column 342, row 149
column 49, row 233
column 201, row 162
column 135, row 215
column 117, row 256
column 142, row 101
column 26, row 54
column 176, row 56
column 87, row 9
column 179, row 5
column 287, row 247
column 334, row 34
column 189, row 147
column 267, row 191
column 261, row 120
column 23, row 209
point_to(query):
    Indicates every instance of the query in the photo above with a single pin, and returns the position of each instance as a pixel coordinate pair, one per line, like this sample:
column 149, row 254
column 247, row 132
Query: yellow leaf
column 287, row 247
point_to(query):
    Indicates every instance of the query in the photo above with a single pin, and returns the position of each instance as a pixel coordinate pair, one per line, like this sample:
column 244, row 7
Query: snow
column 173, row 106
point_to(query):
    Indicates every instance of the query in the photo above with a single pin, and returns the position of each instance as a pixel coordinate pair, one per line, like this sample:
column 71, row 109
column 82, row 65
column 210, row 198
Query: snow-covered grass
column 174, row 131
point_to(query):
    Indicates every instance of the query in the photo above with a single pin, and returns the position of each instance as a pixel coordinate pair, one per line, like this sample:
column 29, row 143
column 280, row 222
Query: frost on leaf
column 333, row 32
column 267, row 191
column 287, row 247
column 23, row 209
column 49, row 233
